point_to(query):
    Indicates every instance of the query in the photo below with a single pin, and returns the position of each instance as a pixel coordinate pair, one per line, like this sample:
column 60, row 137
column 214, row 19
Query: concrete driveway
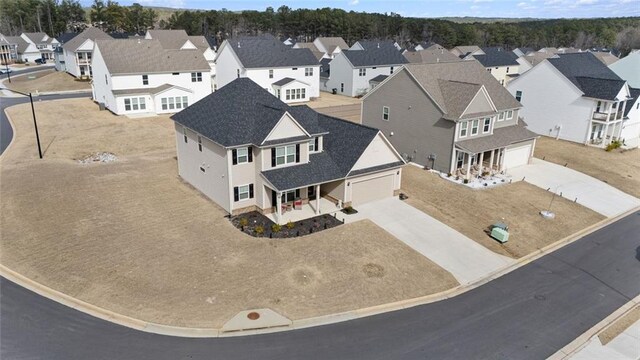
column 464, row 258
column 590, row 192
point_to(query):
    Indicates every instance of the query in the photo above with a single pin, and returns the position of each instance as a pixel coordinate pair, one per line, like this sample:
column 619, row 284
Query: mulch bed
column 258, row 225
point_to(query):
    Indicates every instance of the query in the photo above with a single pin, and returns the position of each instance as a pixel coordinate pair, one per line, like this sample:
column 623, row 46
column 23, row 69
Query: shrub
column 243, row 221
column 290, row 225
column 276, row 227
column 259, row 230
column 485, row 173
column 613, row 145
column 466, row 181
column 449, row 175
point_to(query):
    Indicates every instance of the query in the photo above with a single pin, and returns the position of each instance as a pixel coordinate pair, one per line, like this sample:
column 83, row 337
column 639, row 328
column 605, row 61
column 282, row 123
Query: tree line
column 57, row 16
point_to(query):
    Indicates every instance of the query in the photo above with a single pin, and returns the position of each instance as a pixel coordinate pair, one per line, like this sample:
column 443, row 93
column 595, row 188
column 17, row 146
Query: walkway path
column 590, row 192
column 464, row 258
column 625, row 346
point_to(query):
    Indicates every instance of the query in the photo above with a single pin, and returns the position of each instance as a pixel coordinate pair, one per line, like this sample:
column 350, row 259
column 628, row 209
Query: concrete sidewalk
column 590, row 192
column 625, row 346
column 464, row 258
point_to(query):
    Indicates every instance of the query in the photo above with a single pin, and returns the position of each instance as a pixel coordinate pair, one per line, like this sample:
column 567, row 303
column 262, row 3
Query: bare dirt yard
column 131, row 237
column 471, row 211
column 620, row 325
column 619, row 168
column 46, row 80
column 343, row 107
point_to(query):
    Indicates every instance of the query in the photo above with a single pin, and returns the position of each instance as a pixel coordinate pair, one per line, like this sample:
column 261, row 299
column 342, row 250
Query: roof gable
column 378, row 152
column 481, row 103
column 286, row 128
column 91, row 33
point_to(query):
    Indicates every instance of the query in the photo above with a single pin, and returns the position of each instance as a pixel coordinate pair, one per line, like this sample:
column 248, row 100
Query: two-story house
column 8, row 50
column 247, row 150
column 573, row 97
column 431, row 55
column 79, row 50
column 45, row 44
column 291, row 75
column 500, row 63
column 140, row 76
column 25, row 51
column 452, row 117
column 330, row 46
column 351, row 71
column 179, row 40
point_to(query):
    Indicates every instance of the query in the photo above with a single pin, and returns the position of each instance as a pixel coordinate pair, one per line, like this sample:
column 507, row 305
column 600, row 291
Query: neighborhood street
column 527, row 314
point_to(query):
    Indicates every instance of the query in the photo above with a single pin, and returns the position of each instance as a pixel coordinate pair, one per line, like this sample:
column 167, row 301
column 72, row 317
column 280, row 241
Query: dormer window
column 314, row 145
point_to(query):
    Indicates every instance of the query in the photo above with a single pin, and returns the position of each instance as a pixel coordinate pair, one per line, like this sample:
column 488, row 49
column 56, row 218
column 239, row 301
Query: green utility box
column 500, row 234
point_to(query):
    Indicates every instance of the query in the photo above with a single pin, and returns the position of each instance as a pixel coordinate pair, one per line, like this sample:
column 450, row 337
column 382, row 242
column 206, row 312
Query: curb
column 583, row 340
column 161, row 329
column 13, row 129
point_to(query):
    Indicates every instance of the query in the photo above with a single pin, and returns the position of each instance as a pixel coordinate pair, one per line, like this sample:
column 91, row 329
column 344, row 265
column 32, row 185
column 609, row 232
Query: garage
column 517, row 156
column 371, row 189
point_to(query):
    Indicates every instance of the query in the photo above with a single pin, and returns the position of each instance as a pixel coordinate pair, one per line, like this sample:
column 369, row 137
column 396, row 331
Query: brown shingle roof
column 430, row 56
column 169, row 39
column 136, row 56
column 461, row 81
column 330, row 43
column 500, row 138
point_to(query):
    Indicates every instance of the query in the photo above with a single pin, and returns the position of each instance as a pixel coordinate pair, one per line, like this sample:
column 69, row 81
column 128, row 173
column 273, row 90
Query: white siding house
column 270, row 64
column 125, row 84
column 42, row 42
column 79, row 51
column 573, row 97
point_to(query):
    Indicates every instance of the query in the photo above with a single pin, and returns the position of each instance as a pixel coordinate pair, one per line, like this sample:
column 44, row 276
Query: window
column 243, row 192
column 519, row 95
column 242, row 155
column 171, row 103
column 199, row 143
column 463, row 128
column 288, row 94
column 489, row 70
column 294, row 68
column 308, row 71
column 385, row 113
column 164, row 103
column 502, row 82
column 270, row 74
column 185, row 101
column 175, row 73
column 391, row 70
column 184, row 134
column 134, row 104
column 178, row 102
column 278, row 92
column 285, row 154
column 196, row 77
column 507, row 69
column 290, row 196
column 341, row 87
column 145, row 79
column 598, row 106
column 238, row 73
column 474, row 126
column 362, row 72
column 501, row 116
column 486, row 126
column 509, row 114
column 314, row 145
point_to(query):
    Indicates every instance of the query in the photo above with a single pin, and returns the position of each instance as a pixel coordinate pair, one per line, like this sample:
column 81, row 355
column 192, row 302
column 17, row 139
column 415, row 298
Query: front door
column 311, row 192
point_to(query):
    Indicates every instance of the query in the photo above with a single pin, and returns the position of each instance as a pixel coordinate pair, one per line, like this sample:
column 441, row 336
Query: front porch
column 470, row 165
column 602, row 133
column 308, row 209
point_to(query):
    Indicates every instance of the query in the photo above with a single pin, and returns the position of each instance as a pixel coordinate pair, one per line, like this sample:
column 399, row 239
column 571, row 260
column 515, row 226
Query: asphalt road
column 529, row 313
column 6, row 132
column 27, row 70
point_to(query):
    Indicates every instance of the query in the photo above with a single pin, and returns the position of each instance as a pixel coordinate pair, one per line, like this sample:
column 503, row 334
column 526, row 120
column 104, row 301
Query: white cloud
column 474, row 7
column 176, row 4
column 586, row 2
column 354, row 2
column 482, row 1
column 522, row 4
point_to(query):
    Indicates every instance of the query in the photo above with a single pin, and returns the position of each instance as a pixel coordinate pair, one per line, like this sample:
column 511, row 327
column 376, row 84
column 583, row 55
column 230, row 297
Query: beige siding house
column 247, row 150
column 453, row 117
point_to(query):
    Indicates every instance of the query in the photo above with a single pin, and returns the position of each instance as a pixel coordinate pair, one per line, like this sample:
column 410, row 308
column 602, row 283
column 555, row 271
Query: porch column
column 468, row 173
column 491, row 160
column 606, row 131
column 502, row 151
column 278, row 206
column 481, row 163
column 624, row 108
column 317, row 199
column 454, row 161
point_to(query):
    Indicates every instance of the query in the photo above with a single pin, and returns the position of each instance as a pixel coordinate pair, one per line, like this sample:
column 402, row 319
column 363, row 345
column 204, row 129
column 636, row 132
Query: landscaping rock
column 102, row 157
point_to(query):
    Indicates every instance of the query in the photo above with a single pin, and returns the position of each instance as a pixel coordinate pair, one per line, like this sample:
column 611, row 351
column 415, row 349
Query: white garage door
column 372, row 189
column 517, row 156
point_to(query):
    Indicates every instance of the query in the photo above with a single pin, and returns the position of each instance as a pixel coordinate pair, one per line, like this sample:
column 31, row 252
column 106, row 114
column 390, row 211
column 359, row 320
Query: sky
column 427, row 8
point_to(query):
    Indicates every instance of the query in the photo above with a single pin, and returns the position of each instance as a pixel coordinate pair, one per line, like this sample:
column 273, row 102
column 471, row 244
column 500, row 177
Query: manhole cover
column 253, row 315
column 540, row 297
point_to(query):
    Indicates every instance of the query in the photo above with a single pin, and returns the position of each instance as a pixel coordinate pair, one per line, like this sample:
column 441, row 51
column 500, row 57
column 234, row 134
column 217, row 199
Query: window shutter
column 250, row 191
column 234, row 155
column 297, row 153
column 250, row 152
column 236, row 195
column 273, row 157
column 317, row 143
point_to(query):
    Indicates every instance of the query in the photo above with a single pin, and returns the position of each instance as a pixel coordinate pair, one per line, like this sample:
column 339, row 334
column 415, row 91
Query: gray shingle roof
column 325, row 68
column 66, row 37
column 266, row 51
column 375, row 57
column 137, row 56
column 242, row 113
column 501, row 137
column 379, row 78
column 377, row 44
column 38, row 38
column 152, row 91
column 588, row 74
column 635, row 94
column 91, row 33
column 452, row 85
column 283, row 81
column 21, row 44
column 496, row 56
